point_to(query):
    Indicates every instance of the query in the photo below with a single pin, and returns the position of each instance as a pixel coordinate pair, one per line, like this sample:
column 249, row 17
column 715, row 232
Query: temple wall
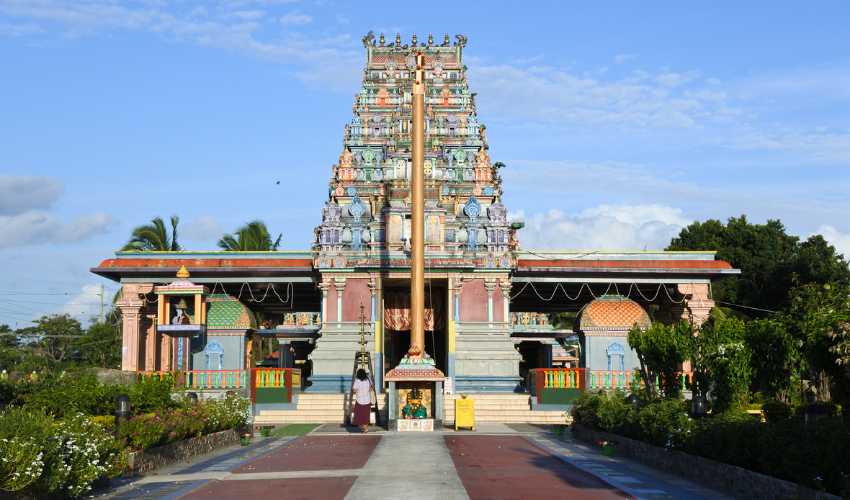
column 232, row 344
column 356, row 293
column 473, row 301
column 596, row 356
column 498, row 305
column 330, row 313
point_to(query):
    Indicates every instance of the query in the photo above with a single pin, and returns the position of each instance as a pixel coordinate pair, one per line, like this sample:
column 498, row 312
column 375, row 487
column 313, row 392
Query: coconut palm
column 154, row 237
column 252, row 236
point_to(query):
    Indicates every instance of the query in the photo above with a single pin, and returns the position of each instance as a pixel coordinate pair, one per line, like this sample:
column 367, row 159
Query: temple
column 488, row 301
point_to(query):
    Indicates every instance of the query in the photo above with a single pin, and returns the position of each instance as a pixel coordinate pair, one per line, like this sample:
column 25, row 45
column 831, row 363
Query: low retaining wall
column 142, row 462
column 732, row 479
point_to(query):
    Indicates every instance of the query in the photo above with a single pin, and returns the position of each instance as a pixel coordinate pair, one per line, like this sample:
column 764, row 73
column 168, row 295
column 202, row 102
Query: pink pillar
column 131, row 305
column 698, row 302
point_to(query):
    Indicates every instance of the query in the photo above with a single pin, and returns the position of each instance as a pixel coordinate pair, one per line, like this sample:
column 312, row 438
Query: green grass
column 293, row 430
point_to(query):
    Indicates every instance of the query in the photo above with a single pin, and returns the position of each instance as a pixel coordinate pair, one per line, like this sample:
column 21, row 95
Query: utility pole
column 102, row 317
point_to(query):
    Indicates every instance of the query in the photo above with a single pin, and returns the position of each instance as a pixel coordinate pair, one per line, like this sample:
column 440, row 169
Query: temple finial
column 183, row 273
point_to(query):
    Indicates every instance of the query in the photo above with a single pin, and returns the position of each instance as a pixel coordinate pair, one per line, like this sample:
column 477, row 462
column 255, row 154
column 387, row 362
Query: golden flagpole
column 417, row 186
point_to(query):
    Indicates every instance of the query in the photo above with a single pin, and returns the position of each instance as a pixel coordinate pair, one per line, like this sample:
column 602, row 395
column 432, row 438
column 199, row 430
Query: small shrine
column 180, row 320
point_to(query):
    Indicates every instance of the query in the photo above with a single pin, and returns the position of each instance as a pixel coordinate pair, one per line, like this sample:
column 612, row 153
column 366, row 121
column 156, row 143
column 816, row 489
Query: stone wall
column 734, row 480
column 143, row 462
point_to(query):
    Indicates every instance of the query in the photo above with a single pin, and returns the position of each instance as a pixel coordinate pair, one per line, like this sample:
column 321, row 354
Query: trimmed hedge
column 813, row 455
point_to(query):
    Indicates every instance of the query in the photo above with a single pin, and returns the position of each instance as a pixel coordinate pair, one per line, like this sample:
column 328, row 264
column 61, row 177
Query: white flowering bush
column 85, row 453
column 44, row 457
column 21, row 463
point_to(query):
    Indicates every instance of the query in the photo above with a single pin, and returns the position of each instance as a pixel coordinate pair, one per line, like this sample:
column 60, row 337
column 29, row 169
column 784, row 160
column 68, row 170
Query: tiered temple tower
column 362, row 245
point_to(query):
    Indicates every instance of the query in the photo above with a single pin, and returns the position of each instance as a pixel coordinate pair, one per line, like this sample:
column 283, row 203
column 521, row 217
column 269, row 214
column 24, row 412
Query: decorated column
column 131, row 304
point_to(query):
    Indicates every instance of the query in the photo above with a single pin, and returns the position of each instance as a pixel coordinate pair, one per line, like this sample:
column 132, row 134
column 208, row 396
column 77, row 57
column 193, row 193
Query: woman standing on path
column 362, row 400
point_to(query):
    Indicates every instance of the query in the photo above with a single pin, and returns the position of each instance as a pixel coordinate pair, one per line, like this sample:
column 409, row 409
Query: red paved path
column 511, row 467
column 315, row 453
column 330, row 488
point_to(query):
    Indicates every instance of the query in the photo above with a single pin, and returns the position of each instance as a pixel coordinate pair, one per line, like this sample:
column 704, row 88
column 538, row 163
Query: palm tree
column 252, row 236
column 154, row 237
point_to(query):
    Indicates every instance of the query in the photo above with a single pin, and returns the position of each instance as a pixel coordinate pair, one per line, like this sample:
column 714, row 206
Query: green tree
column 9, row 351
column 53, row 337
column 155, row 237
column 252, row 236
column 774, row 356
column 661, row 349
column 764, row 253
column 101, row 345
column 722, row 361
column 771, row 261
column 819, row 319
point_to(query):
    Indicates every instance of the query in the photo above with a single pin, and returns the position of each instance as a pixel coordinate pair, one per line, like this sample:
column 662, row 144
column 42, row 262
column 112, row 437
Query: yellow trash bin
column 464, row 413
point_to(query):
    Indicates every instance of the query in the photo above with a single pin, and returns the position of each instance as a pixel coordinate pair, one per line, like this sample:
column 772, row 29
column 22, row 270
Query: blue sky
column 619, row 124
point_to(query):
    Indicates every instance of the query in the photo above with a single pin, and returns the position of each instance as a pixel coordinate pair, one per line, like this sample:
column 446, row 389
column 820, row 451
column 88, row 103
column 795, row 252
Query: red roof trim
column 624, row 264
column 202, row 263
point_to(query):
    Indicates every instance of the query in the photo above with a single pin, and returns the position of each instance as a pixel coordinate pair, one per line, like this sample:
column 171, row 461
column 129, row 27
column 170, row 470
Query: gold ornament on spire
column 183, row 273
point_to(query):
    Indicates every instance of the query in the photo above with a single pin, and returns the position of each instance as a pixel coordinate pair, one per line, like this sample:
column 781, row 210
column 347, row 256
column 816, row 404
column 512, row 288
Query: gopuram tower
column 362, row 247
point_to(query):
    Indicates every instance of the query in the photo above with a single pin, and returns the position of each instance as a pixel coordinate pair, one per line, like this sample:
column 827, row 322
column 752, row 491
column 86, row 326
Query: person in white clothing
column 362, row 400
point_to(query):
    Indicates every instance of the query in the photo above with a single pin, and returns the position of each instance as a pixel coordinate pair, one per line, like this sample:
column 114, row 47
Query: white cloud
column 17, row 30
column 37, row 227
column 204, row 228
column 556, row 95
column 622, row 227
column 819, row 145
column 231, row 25
column 841, row 241
column 295, row 19
column 86, row 304
column 19, row 193
column 249, row 15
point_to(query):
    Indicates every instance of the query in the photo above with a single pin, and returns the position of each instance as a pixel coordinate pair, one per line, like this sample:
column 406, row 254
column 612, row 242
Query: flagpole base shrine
column 487, row 301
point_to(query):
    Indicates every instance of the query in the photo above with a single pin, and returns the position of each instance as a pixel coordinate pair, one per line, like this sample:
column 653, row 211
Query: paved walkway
column 495, row 462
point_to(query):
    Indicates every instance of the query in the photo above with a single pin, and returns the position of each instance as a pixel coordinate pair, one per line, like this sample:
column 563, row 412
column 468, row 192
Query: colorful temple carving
column 487, row 300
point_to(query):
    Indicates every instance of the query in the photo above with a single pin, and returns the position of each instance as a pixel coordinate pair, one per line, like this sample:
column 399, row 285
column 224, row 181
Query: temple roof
column 658, row 262
column 225, row 312
column 613, row 312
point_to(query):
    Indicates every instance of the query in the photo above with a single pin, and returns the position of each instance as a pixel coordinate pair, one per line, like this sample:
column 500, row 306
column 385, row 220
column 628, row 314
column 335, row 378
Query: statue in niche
column 181, row 318
column 414, row 408
column 368, row 155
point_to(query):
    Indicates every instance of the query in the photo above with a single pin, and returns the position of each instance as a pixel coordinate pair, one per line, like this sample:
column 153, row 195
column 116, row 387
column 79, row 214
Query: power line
column 747, row 307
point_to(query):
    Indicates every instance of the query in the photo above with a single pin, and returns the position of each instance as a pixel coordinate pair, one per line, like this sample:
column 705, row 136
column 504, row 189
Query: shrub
column 812, row 454
column 21, row 464
column 105, row 421
column 585, row 410
column 151, row 394
column 732, row 437
column 775, row 410
column 664, row 423
column 151, row 429
column 81, row 392
column 142, row 431
column 615, row 414
column 54, row 457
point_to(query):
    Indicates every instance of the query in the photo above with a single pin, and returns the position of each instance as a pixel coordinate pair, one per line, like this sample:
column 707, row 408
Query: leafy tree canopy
column 252, row 236
column 154, row 237
column 771, row 261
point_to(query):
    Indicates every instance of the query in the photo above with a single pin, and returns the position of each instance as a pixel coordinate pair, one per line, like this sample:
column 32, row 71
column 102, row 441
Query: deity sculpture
column 414, row 409
column 181, row 318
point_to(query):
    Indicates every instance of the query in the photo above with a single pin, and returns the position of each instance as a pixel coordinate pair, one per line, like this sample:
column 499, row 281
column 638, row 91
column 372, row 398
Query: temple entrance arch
column 396, row 319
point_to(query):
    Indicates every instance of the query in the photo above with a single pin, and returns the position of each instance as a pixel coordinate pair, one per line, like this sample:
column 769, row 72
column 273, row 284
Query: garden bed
column 734, row 480
column 145, row 461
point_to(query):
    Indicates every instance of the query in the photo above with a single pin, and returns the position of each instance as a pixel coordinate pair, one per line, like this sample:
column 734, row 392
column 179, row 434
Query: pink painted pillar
column 131, row 305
